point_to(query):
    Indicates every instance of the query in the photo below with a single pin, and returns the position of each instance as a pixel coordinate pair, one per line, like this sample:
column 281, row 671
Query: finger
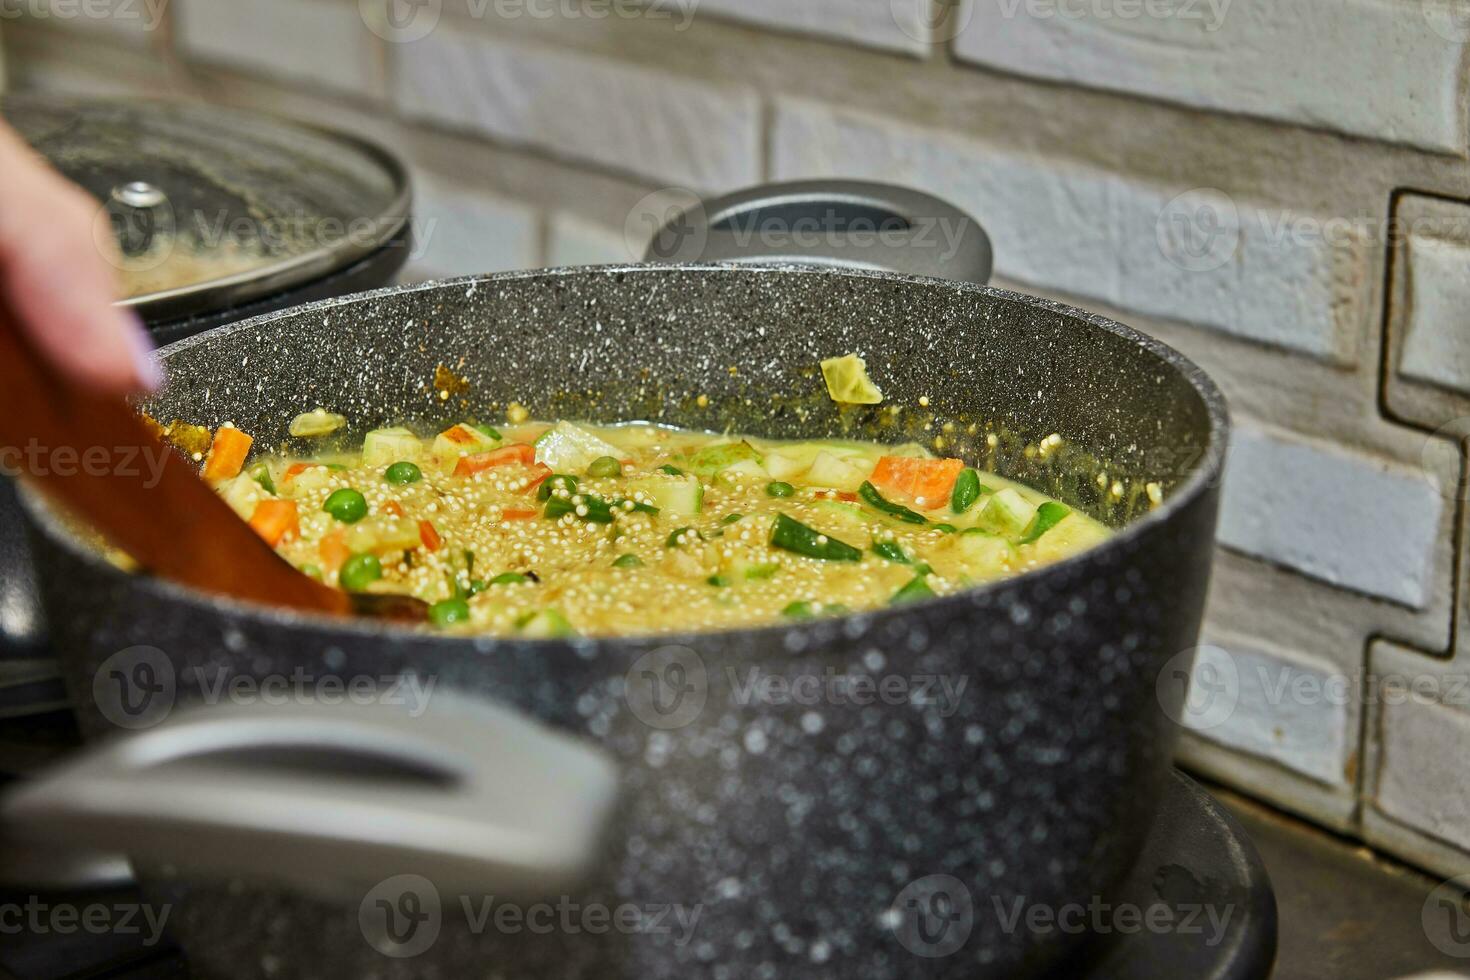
column 58, row 282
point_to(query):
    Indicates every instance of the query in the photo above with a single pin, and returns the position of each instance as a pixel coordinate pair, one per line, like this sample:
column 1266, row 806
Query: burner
column 1201, row 867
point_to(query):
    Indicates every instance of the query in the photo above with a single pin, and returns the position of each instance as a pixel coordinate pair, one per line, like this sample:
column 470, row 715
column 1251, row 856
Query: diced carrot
column 394, row 508
column 517, row 515
column 334, row 550
column 926, row 480
column 296, row 469
column 505, row 456
column 539, row 475
column 430, row 536
column 842, row 495
column 227, row 454
column 276, row 520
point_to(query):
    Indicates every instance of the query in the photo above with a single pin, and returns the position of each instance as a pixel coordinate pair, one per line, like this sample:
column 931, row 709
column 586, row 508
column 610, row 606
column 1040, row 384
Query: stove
column 1250, row 895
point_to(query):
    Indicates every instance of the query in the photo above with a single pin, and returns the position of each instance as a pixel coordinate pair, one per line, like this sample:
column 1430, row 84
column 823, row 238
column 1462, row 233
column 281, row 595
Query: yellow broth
column 671, row 530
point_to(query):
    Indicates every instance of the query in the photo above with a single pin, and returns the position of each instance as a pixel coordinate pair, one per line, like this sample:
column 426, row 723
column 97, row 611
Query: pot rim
column 1204, row 477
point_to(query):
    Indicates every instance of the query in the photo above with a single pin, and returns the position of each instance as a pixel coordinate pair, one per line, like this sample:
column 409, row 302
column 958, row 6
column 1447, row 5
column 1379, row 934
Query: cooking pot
column 862, row 796
column 301, row 213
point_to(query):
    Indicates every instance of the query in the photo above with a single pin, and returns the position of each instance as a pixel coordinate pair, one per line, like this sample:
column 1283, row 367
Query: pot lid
column 210, row 207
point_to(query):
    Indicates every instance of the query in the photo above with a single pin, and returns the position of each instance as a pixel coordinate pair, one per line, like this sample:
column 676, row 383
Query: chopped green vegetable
column 682, row 497
column 346, row 505
column 628, row 561
column 568, row 447
column 759, row 573
column 890, row 551
column 729, row 519
column 449, row 612
column 509, row 578
column 712, row 459
column 360, row 571
column 807, row 609
column 1007, row 512
column 777, row 488
column 604, row 467
column 718, row 581
column 554, row 482
column 671, row 470
column 1048, row 516
column 312, row 571
column 946, row 528
column 403, row 473
column 682, row 536
column 583, row 506
column 634, row 506
column 317, row 422
column 848, row 382
column 792, row 535
column 488, row 430
column 917, row 588
column 383, row 446
column 548, row 624
column 967, row 490
column 261, row 474
column 876, row 500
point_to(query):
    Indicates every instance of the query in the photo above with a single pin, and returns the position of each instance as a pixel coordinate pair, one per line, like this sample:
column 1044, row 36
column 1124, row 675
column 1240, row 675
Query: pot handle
column 844, row 224
column 333, row 799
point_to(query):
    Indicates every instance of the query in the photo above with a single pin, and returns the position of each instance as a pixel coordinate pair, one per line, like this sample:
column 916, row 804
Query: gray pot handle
column 332, row 799
column 846, row 224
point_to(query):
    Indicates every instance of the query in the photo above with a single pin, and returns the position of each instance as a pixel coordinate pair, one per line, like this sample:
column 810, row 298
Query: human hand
column 57, row 282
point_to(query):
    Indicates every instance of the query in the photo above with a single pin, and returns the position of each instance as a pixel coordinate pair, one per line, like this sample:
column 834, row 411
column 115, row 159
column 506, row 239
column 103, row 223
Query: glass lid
column 211, row 208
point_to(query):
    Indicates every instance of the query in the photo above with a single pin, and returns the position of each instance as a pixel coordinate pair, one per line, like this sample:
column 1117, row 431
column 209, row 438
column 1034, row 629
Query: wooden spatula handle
column 93, row 454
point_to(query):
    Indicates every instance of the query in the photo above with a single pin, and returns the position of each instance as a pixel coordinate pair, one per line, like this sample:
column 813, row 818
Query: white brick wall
column 899, row 25
column 1421, row 780
column 459, row 232
column 1281, row 59
column 1095, row 234
column 1437, row 325
column 1282, row 706
column 324, row 42
column 1350, row 520
column 618, row 115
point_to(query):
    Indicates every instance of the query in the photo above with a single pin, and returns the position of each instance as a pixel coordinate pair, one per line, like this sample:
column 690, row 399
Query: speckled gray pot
column 799, row 828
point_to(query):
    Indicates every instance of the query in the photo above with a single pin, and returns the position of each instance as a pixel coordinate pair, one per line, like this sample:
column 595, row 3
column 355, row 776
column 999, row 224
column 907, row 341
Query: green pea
column 779, row 489
column 628, row 561
column 360, row 571
column 449, row 612
column 402, row 474
column 347, row 505
column 604, row 467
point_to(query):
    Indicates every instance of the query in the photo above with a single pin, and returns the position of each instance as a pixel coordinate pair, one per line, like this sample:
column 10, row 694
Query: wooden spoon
column 95, row 455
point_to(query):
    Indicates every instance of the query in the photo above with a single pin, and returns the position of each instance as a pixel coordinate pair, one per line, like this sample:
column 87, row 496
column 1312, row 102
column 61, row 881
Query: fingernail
column 146, row 366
